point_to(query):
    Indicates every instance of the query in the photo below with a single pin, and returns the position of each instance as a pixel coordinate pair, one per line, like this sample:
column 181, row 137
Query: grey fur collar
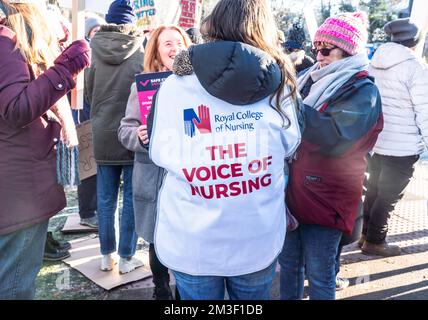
column 128, row 29
column 182, row 63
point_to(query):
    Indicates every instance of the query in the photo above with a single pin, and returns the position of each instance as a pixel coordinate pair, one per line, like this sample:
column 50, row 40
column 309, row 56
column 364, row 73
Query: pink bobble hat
column 348, row 31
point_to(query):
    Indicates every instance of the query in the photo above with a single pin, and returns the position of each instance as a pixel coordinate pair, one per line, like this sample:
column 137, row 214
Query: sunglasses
column 324, row 51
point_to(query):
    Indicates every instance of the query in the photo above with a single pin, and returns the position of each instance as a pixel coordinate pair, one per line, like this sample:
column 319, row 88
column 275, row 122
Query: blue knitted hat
column 121, row 12
column 291, row 44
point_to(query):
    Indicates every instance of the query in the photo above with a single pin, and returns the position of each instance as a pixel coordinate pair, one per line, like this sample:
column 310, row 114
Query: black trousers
column 87, row 196
column 389, row 176
column 159, row 271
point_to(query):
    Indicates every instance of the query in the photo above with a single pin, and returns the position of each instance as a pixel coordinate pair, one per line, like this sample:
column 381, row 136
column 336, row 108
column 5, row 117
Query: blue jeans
column 108, row 184
column 253, row 286
column 337, row 260
column 21, row 257
column 310, row 250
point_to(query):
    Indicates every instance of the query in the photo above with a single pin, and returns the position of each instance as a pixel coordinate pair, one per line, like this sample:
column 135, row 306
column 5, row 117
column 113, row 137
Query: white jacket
column 402, row 79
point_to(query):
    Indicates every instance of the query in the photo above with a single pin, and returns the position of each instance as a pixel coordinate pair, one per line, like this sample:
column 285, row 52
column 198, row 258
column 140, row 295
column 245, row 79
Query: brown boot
column 382, row 249
column 361, row 241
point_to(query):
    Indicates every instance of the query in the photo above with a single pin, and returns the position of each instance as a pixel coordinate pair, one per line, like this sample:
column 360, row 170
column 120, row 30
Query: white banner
column 100, row 6
column 151, row 13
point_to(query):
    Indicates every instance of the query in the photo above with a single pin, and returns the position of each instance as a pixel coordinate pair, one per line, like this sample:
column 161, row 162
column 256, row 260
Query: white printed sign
column 100, row 6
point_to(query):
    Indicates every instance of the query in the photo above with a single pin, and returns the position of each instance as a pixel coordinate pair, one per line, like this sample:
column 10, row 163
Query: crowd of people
column 246, row 133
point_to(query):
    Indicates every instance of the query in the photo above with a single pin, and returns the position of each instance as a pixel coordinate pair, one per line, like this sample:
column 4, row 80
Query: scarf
column 328, row 80
column 67, row 148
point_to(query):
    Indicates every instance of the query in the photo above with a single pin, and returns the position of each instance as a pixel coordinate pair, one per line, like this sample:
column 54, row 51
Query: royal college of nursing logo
column 202, row 121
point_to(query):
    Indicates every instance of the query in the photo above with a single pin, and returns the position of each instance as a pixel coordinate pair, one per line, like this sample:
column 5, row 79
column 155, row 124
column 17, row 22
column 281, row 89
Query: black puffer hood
column 231, row 71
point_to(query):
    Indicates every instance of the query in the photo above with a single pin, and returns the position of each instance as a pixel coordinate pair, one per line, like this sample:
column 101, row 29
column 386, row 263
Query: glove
column 76, row 57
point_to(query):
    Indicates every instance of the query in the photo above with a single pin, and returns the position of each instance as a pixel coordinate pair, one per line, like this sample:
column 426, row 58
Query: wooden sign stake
column 78, row 32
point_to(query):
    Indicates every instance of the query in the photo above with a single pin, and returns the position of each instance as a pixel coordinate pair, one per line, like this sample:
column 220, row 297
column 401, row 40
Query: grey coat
column 146, row 176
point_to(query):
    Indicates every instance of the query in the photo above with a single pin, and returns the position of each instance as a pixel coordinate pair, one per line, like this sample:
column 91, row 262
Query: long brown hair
column 152, row 60
column 34, row 39
column 252, row 22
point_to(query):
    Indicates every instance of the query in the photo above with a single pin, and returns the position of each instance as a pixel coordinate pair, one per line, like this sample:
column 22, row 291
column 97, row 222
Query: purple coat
column 29, row 192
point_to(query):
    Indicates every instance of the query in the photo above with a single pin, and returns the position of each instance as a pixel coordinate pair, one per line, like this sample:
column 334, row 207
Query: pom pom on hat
column 362, row 15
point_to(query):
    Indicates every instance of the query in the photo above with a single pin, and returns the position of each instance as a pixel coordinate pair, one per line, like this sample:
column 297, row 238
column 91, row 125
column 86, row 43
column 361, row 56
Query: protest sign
column 191, row 12
column 152, row 13
column 147, row 85
column 87, row 164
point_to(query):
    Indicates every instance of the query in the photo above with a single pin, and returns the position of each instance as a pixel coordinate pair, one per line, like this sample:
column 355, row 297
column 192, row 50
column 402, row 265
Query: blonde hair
column 152, row 60
column 252, row 22
column 34, row 39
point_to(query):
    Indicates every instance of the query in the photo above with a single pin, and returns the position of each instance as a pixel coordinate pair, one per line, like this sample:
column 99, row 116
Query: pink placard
column 147, row 85
column 145, row 99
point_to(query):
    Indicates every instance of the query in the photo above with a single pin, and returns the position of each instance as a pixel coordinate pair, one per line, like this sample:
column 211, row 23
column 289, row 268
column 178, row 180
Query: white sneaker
column 129, row 264
column 107, row 262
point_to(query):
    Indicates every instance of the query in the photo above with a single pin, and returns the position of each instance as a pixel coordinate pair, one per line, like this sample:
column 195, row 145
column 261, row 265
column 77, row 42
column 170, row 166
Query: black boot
column 52, row 251
column 162, row 291
column 59, row 244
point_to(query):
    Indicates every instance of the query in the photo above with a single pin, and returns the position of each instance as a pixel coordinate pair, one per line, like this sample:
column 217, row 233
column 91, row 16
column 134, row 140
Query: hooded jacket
column 230, row 222
column 326, row 178
column 29, row 192
column 402, row 79
column 117, row 56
